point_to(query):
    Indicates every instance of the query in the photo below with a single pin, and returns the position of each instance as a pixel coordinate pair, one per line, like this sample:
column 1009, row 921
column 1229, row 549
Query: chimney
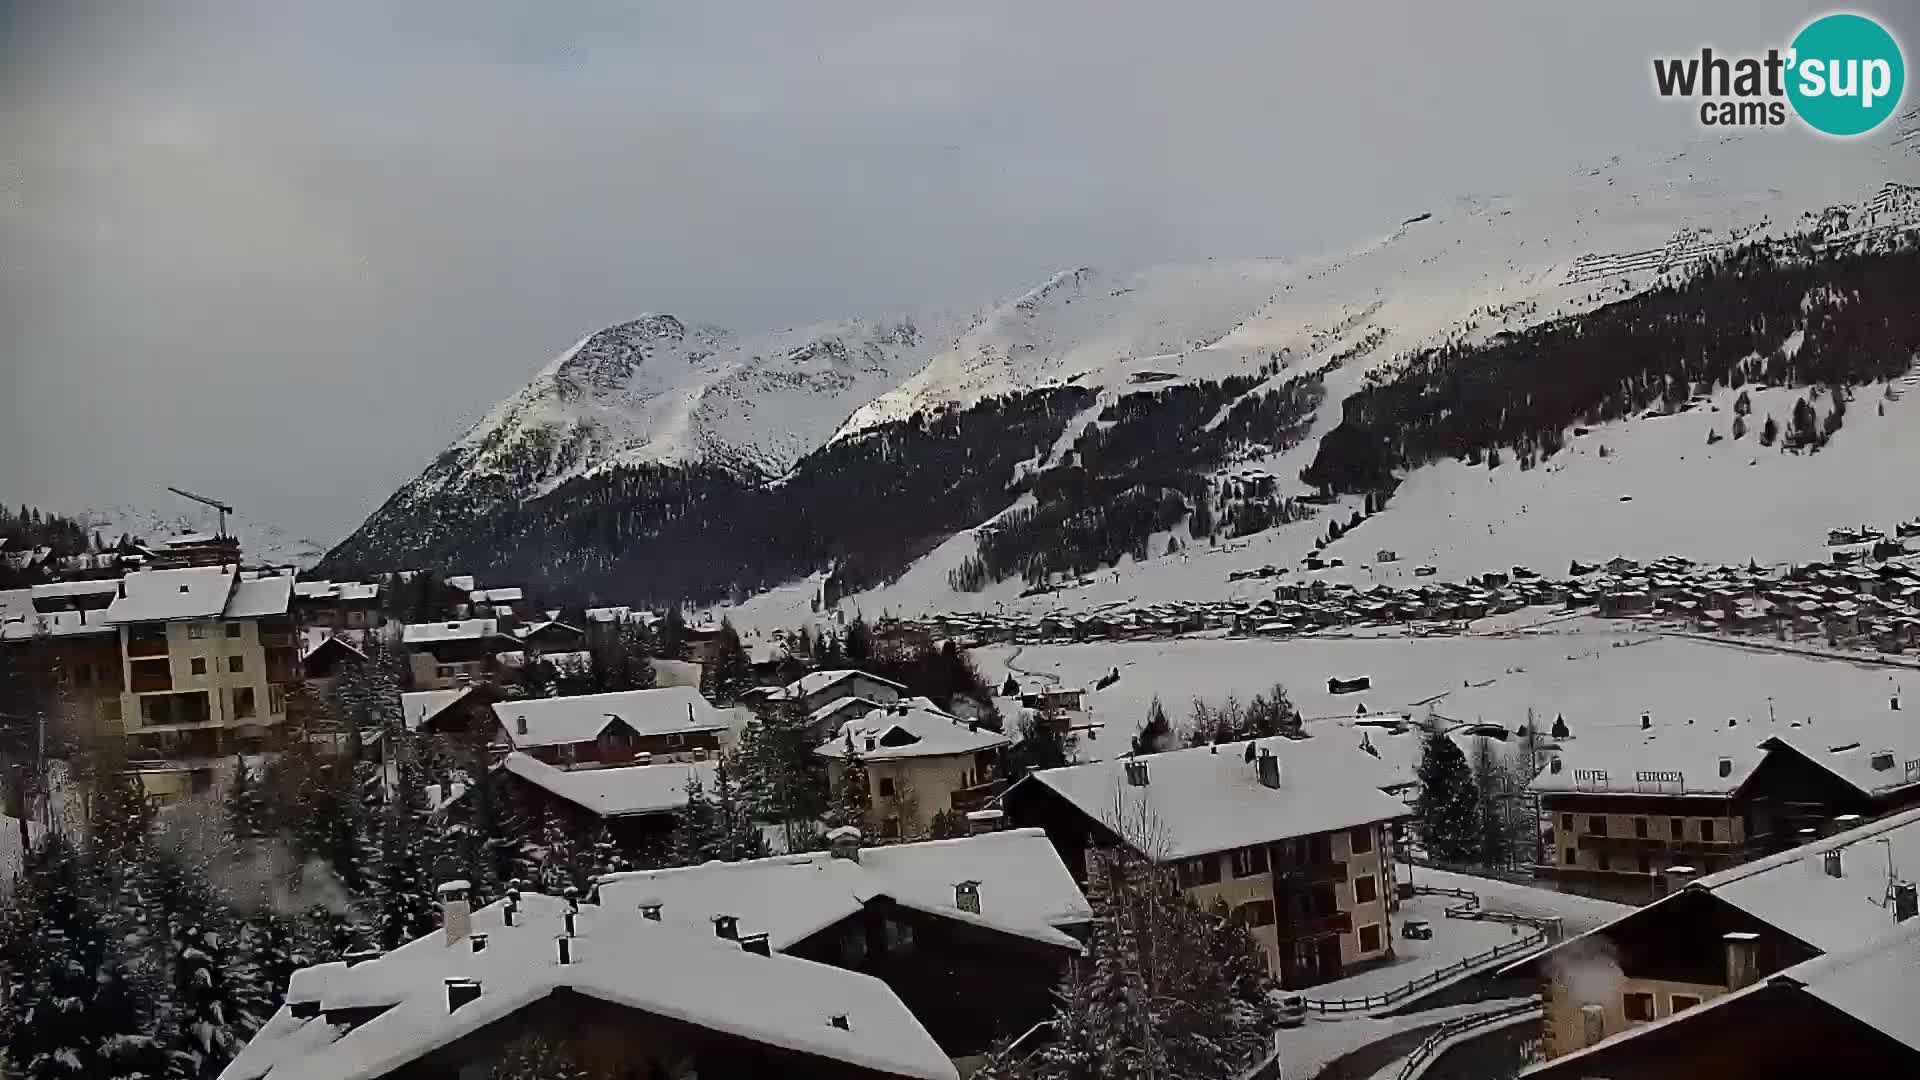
column 1743, row 959
column 456, row 912
column 1675, row 878
column 1882, row 761
column 461, row 991
column 844, row 843
column 565, row 944
column 839, row 1020
column 966, row 897
column 756, row 944
column 1726, row 766
column 520, row 724
column 1269, row 768
column 567, row 920
column 1593, row 1024
column 727, row 927
column 479, row 942
column 1646, row 721
column 1136, row 773
column 1830, row 862
column 689, row 712
column 650, row 908
column 1906, row 901
column 1554, row 766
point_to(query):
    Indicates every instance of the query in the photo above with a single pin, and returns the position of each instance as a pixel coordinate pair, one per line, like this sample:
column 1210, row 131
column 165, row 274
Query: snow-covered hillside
column 260, row 541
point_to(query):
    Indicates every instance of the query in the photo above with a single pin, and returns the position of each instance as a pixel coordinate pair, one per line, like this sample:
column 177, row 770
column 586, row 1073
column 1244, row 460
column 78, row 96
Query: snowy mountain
column 1461, row 272
column 260, row 541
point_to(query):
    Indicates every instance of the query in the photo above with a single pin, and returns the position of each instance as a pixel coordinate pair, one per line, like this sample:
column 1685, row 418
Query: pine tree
column 785, row 779
column 405, row 887
column 859, row 643
column 696, row 830
column 730, row 672
column 853, row 801
column 1156, row 732
column 1447, row 811
column 735, row 836
column 1490, row 783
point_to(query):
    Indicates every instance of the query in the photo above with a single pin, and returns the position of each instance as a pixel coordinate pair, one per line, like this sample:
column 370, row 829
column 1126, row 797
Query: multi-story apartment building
column 452, row 654
column 1712, row 939
column 206, row 656
column 337, row 605
column 1293, row 835
column 919, row 760
column 1621, row 814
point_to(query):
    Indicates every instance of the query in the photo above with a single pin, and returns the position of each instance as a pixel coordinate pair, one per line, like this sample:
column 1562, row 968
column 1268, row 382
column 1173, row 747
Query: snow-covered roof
column 839, row 705
column 462, row 582
column 815, row 681
column 616, row 791
column 556, row 721
column 1210, row 799
column 419, row 706
column 1792, row 892
column 451, row 630
column 1874, row 983
column 55, row 624
column 1876, row 768
column 617, row 613
column 509, row 595
column 620, row 958
column 910, row 729
column 198, row 592
column 1706, row 760
column 259, row 597
column 1025, row 889
column 92, row 587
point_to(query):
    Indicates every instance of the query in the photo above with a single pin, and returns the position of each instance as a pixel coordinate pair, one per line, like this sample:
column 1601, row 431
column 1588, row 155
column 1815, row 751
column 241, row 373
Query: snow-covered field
column 1602, row 676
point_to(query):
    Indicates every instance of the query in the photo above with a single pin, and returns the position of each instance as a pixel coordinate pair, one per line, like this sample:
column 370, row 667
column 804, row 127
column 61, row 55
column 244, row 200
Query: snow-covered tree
column 1447, row 812
column 1156, row 731
column 539, row 1057
column 785, row 780
column 730, row 672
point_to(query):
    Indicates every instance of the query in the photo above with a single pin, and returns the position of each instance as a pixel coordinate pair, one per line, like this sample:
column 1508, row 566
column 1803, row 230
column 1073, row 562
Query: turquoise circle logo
column 1847, row 74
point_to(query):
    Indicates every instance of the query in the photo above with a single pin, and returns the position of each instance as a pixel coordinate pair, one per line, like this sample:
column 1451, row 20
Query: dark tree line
column 1727, row 326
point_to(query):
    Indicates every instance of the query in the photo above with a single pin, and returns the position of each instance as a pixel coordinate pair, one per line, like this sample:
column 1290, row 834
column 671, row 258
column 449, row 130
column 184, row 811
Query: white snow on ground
column 1453, row 940
column 1600, row 675
column 1577, row 914
column 1305, row 1050
column 1731, row 502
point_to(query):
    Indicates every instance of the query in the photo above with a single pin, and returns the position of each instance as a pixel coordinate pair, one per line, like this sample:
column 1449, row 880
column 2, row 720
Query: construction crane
column 223, row 508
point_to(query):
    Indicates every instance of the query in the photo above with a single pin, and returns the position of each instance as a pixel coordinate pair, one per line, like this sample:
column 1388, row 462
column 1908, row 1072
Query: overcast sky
column 284, row 252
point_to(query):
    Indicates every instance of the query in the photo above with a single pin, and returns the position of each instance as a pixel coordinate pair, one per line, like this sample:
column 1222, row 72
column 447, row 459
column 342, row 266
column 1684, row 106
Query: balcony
column 1307, row 926
column 1635, row 844
column 147, row 646
column 1311, row 873
column 149, row 676
column 967, row 800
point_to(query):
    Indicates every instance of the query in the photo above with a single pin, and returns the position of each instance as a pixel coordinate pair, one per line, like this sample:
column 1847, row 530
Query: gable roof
column 1647, row 764
column 1210, row 799
column 1025, row 890
column 667, row 710
column 615, row 791
column 450, row 630
column 1791, row 891
column 418, row 707
column 815, row 681
column 910, row 729
column 198, row 592
column 622, row 959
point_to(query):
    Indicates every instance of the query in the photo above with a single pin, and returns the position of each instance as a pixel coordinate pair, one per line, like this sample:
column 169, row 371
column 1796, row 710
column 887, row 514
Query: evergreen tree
column 408, row 900
column 859, row 643
column 853, row 802
column 785, row 779
column 1448, row 810
column 1491, row 795
column 1044, row 744
column 735, row 836
column 730, row 673
column 1156, row 732
column 696, row 829
column 540, row 1057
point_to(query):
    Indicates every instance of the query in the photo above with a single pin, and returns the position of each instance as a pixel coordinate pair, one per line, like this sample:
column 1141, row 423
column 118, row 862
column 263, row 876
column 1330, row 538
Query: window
column 1571, row 857
column 1681, row 1003
column 1706, row 830
column 196, row 630
column 886, row 787
column 1566, row 823
column 1679, row 828
column 1255, row 913
column 1364, row 890
column 276, row 699
column 243, row 703
column 1600, row 859
column 1597, row 825
column 199, row 664
column 676, row 740
column 1640, row 827
column 1204, row 870
column 1249, row 861
column 1646, row 864
column 236, row 664
column 233, row 629
column 1361, row 840
column 1639, row 1007
column 890, row 828
column 1370, row 938
column 110, row 711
